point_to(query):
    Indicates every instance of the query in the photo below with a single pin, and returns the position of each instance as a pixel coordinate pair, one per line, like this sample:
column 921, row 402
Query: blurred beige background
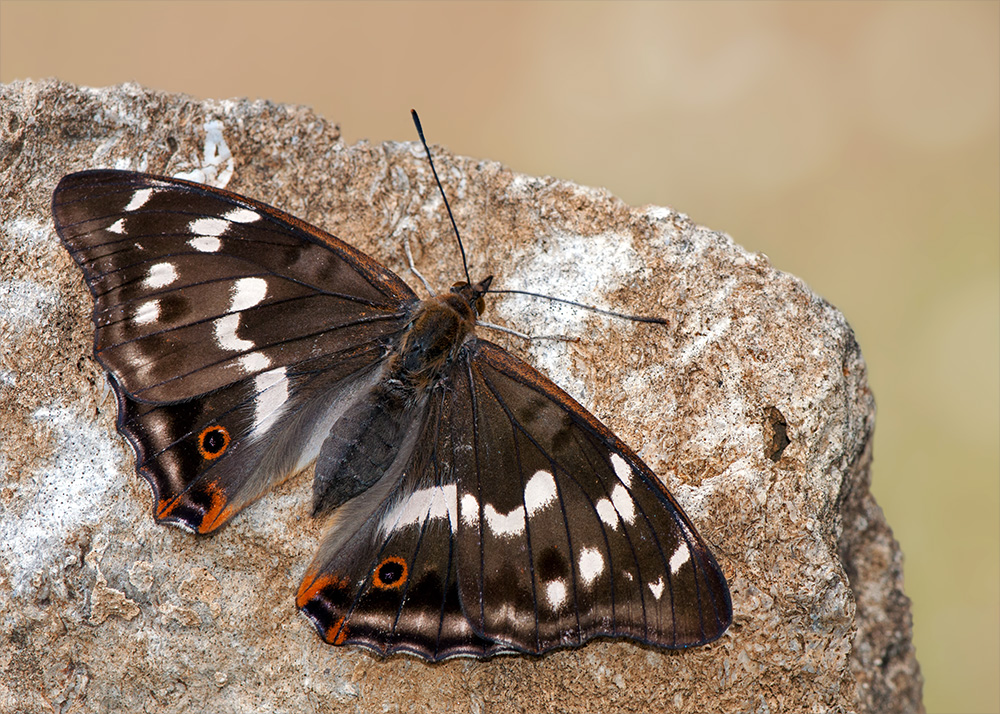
column 857, row 144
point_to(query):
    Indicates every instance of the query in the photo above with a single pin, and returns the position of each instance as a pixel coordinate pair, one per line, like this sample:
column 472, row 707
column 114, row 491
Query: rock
column 752, row 404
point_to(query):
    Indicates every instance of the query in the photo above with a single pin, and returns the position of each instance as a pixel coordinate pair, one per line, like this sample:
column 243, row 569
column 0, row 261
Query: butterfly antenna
column 465, row 264
column 612, row 313
column 461, row 248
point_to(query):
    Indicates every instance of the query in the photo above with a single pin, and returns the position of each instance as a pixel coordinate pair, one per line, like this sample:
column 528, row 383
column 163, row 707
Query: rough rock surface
column 752, row 404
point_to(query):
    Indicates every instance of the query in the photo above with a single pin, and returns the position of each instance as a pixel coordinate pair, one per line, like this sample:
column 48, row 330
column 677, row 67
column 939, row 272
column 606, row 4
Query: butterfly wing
column 192, row 288
column 565, row 534
column 386, row 574
column 520, row 523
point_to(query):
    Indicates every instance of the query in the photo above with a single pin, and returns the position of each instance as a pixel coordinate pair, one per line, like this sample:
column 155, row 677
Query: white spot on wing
column 623, row 503
column 205, row 244
column 424, row 503
column 445, row 505
column 254, row 362
column 247, row 292
column 622, row 470
column 159, row 423
column 470, row 510
column 591, row 564
column 209, row 226
column 242, row 215
column 272, row 393
column 657, row 588
column 139, row 199
column 225, row 334
column 160, row 276
column 505, row 524
column 555, row 593
column 607, row 513
column 117, row 227
column 539, row 492
column 680, row 556
column 148, row 312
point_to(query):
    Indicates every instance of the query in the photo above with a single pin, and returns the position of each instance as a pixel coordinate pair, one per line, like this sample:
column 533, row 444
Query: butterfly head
column 474, row 294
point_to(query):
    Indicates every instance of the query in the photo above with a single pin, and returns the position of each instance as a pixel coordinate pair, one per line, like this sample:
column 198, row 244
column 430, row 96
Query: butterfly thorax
column 440, row 326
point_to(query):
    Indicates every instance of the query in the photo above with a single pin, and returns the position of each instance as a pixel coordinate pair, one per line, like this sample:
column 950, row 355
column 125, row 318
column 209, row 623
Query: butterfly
column 474, row 507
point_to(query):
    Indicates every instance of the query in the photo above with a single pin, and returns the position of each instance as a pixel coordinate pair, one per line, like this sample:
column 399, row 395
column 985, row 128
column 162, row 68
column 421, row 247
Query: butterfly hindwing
column 395, row 595
column 392, row 584
column 267, row 428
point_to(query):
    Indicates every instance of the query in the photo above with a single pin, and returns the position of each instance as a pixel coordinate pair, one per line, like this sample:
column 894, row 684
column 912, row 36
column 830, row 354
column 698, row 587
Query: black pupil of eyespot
column 390, row 572
column 214, row 440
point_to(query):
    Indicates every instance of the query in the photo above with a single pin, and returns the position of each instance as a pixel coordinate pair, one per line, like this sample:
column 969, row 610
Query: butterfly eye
column 213, row 442
column 390, row 574
column 480, row 301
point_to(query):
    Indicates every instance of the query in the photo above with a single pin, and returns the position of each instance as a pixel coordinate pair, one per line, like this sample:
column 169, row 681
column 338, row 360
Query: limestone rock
column 752, row 404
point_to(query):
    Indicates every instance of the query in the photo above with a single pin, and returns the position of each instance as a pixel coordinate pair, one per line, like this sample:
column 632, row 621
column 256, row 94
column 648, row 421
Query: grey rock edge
column 103, row 610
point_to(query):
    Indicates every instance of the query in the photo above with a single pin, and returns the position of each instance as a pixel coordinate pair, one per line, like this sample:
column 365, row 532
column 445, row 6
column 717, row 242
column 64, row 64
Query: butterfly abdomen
column 362, row 445
column 440, row 327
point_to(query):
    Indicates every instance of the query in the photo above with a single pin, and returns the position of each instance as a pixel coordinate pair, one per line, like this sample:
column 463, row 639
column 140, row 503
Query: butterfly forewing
column 600, row 545
column 193, row 286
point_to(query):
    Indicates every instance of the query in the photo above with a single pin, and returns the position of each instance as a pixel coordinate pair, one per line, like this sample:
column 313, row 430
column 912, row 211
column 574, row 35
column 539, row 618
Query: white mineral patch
column 217, row 165
column 25, row 304
column 25, row 234
column 584, row 269
column 60, row 496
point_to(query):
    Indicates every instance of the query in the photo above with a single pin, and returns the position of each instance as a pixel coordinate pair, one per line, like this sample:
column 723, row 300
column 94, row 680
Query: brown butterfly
column 478, row 509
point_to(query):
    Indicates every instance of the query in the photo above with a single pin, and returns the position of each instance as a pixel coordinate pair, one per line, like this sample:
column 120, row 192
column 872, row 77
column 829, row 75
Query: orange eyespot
column 213, row 442
column 390, row 573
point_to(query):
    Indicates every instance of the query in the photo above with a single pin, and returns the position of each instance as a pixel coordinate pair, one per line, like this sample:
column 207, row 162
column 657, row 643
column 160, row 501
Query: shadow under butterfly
column 476, row 508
